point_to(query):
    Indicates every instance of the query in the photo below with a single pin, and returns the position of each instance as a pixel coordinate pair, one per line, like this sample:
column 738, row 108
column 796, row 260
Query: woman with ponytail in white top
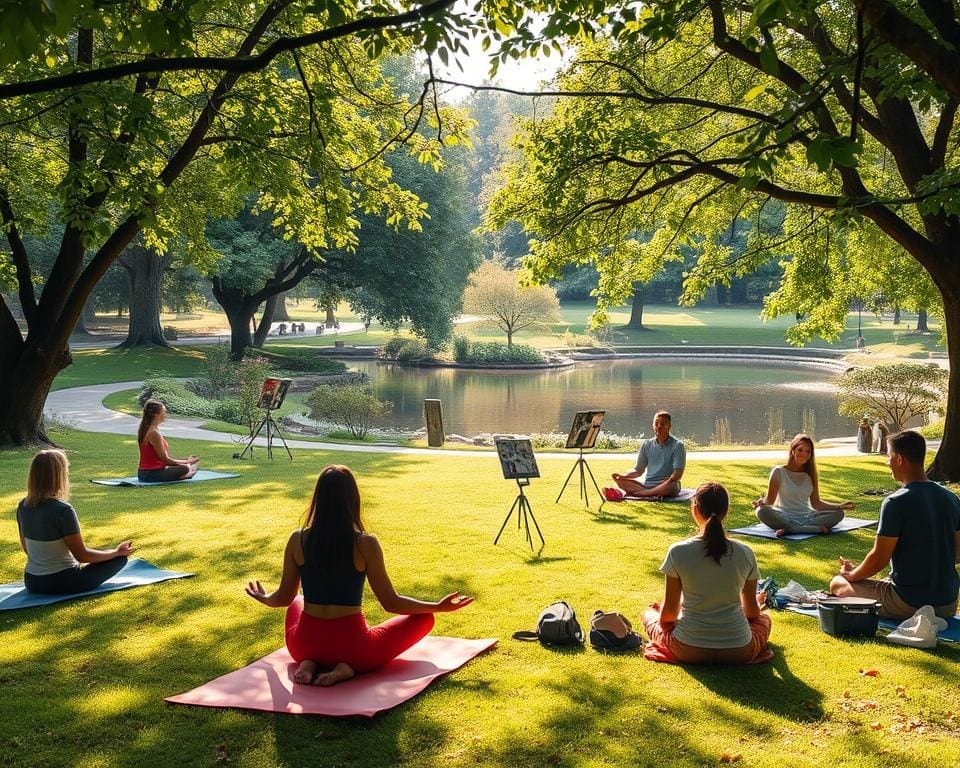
column 711, row 612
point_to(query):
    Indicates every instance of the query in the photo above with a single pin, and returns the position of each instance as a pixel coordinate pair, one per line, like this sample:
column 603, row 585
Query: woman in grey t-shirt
column 50, row 534
column 711, row 613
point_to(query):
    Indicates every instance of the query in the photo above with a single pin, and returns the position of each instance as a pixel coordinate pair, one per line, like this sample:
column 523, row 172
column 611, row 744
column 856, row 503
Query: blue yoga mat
column 765, row 532
column 951, row 634
column 135, row 573
column 202, row 474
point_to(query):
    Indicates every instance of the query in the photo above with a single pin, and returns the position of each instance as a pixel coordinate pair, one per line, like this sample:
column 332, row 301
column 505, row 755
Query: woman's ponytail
column 713, row 503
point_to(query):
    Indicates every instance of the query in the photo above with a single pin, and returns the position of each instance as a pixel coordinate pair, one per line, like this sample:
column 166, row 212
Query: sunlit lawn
column 83, row 681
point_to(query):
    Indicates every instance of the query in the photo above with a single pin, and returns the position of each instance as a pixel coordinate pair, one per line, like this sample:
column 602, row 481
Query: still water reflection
column 752, row 399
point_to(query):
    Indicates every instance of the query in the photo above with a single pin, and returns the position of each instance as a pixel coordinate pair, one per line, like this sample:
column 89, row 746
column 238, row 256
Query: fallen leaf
column 808, row 705
column 876, row 726
column 726, row 757
column 868, row 673
column 901, row 692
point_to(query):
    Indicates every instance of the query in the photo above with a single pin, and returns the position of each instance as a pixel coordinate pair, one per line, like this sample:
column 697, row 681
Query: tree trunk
column 896, row 315
column 266, row 320
column 144, row 270
column 280, row 313
column 636, row 308
column 85, row 319
column 510, row 338
column 946, row 464
column 331, row 318
column 922, row 324
column 23, row 391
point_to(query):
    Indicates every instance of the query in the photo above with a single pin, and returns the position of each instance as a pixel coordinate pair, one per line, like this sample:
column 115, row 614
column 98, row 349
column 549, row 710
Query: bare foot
column 336, row 675
column 781, row 532
column 305, row 672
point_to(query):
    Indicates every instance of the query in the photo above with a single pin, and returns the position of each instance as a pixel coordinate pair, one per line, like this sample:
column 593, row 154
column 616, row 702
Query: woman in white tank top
column 792, row 503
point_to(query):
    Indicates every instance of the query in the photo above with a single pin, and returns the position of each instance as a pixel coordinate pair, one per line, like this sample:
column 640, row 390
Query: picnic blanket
column 200, row 476
column 267, row 684
column 135, row 573
column 766, row 532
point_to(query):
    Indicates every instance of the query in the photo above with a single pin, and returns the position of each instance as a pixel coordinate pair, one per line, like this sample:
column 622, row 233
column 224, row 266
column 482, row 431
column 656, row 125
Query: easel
column 272, row 429
column 522, row 505
column 582, row 464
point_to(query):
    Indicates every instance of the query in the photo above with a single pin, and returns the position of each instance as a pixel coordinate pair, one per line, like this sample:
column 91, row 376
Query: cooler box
column 849, row 616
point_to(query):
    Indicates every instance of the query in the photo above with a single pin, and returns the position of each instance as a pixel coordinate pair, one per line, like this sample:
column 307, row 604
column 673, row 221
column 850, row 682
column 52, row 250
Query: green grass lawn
column 83, row 681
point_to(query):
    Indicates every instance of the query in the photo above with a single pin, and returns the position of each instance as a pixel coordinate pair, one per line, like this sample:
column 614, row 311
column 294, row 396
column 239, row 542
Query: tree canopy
column 687, row 116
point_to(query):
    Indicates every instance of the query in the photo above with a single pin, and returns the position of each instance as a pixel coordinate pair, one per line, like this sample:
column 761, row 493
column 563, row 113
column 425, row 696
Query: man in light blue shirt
column 661, row 461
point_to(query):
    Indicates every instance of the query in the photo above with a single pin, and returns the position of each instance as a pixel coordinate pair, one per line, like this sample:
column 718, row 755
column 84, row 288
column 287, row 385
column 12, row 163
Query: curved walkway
column 83, row 409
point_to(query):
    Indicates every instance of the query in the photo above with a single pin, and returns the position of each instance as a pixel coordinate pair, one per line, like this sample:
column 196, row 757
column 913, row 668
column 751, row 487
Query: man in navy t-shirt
column 918, row 534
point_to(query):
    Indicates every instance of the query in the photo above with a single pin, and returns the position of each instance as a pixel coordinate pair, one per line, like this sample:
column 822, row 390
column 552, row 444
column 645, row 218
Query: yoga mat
column 765, row 532
column 200, row 476
column 135, row 573
column 267, row 684
column 685, row 495
column 951, row 634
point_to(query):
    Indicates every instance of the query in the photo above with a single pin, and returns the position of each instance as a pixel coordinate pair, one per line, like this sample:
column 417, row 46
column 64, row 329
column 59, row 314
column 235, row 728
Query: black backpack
column 556, row 625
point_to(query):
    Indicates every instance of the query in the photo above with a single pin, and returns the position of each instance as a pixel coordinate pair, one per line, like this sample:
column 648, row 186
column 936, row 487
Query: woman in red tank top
column 156, row 463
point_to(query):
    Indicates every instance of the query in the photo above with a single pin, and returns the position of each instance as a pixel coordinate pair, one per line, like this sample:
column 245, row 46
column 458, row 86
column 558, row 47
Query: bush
column 355, row 409
column 218, row 369
column 307, row 361
column 176, row 397
column 389, row 349
column 413, row 350
column 482, row 352
column 461, row 348
column 230, row 410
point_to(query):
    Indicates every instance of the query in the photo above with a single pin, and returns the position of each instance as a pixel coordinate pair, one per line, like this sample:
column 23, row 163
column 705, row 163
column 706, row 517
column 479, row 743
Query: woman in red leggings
column 331, row 557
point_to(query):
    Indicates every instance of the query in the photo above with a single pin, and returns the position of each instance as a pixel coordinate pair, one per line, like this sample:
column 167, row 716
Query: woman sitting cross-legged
column 156, row 463
column 330, row 557
column 792, row 503
column 50, row 534
column 711, row 612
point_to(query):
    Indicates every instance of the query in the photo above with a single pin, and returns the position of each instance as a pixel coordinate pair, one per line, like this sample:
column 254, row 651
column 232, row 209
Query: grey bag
column 556, row 625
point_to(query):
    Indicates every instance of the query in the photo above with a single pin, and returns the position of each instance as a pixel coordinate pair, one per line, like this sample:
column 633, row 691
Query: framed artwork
column 516, row 458
column 273, row 392
column 585, row 429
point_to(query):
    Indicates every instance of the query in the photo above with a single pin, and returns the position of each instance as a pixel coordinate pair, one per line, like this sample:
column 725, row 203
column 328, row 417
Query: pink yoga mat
column 267, row 684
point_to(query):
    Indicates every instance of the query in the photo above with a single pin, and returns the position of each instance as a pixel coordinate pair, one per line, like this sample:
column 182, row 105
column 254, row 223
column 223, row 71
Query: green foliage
column 461, row 347
column 896, row 393
column 389, row 349
column 483, row 352
column 404, row 350
column 218, row 370
column 176, row 397
column 356, row 409
column 306, row 360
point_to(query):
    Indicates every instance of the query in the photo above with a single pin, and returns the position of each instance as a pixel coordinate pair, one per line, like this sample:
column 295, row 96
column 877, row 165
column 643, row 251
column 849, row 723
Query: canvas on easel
column 516, row 458
column 585, row 429
column 518, row 463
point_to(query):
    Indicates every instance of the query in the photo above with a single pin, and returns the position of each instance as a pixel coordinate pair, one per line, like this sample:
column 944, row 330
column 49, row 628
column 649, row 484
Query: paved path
column 83, row 409
column 222, row 336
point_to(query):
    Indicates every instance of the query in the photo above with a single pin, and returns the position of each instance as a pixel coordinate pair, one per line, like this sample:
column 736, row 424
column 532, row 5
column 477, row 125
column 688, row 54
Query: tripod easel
column 582, row 464
column 272, row 429
column 522, row 505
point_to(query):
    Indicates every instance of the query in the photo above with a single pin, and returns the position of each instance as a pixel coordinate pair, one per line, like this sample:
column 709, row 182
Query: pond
column 744, row 399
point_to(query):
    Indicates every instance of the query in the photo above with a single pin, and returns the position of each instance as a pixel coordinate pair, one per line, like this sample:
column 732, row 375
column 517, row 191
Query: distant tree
column 496, row 295
column 897, row 393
